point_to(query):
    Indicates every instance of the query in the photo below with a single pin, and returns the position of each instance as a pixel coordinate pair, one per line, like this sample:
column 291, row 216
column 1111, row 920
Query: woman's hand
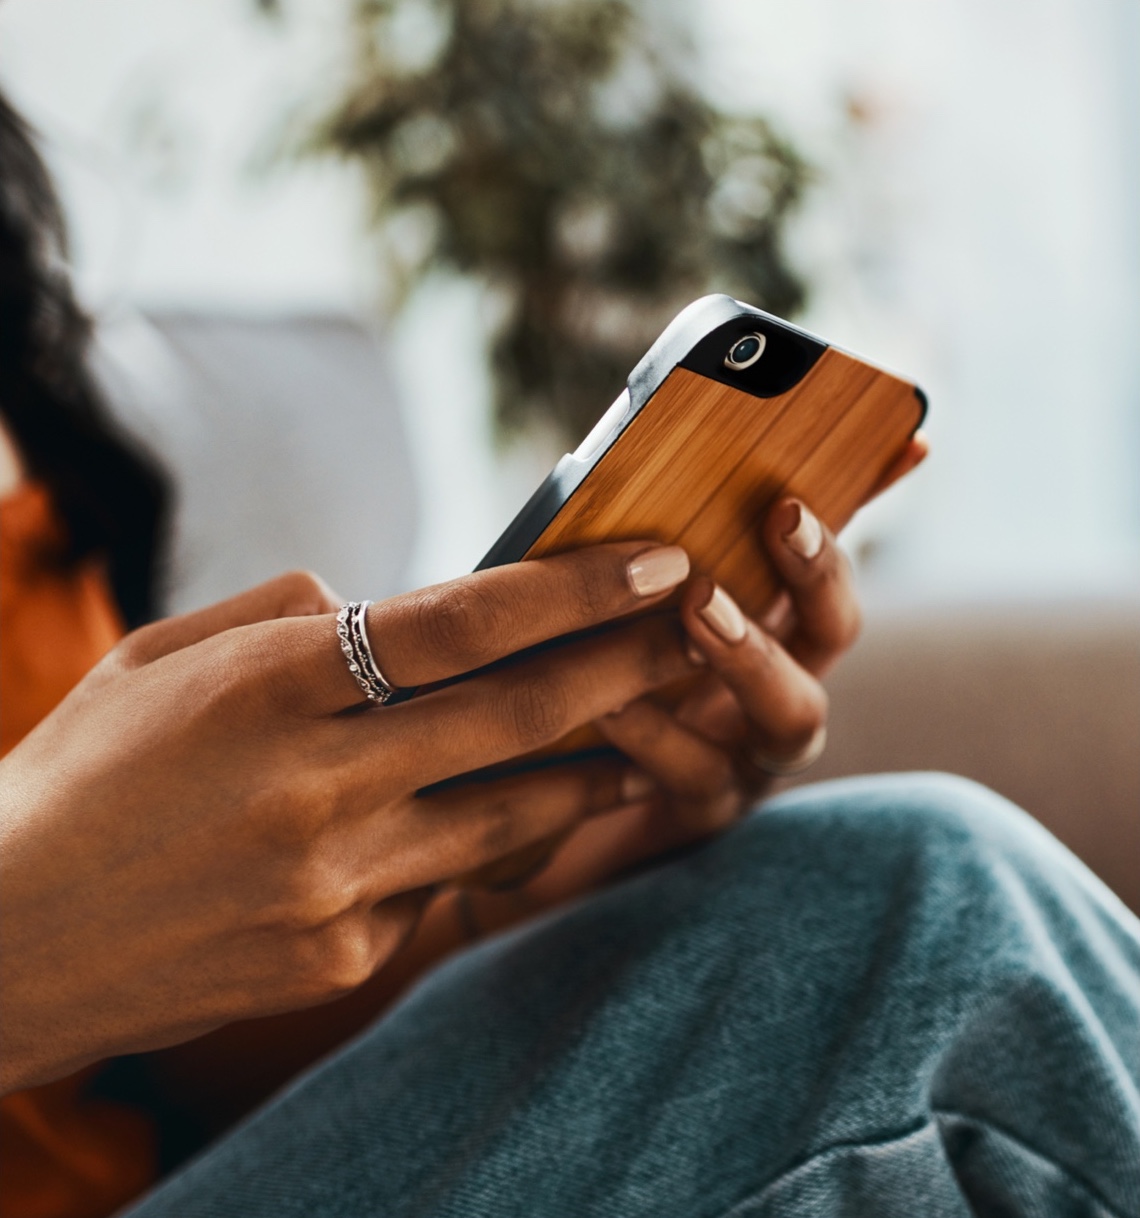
column 760, row 708
column 203, row 831
column 695, row 768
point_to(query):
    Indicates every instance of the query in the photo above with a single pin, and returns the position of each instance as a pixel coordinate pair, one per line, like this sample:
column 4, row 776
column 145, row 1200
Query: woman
column 863, row 993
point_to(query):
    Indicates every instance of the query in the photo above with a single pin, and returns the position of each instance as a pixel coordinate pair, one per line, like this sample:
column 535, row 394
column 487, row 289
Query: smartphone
column 730, row 409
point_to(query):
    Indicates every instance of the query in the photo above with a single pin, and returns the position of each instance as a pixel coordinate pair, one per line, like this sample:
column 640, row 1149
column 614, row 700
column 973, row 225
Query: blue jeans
column 877, row 997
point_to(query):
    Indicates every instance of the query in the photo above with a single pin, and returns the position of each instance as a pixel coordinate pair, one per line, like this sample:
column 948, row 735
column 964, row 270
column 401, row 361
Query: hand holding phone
column 731, row 412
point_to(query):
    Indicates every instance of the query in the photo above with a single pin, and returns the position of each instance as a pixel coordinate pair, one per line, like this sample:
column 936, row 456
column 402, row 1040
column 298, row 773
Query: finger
column 516, row 869
column 451, row 834
column 717, row 716
column 819, row 582
column 462, row 625
column 909, row 459
column 712, row 711
column 697, row 774
column 779, row 618
column 785, row 704
column 295, row 594
column 457, row 627
column 511, row 711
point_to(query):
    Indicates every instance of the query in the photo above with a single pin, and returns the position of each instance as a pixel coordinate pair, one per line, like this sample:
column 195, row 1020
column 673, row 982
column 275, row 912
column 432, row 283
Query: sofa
column 1040, row 701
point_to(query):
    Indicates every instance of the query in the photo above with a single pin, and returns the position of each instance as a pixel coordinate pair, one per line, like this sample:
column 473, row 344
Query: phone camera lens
column 745, row 352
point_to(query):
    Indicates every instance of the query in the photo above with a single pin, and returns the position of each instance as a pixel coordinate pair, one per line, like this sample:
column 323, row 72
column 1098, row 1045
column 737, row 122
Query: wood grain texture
column 701, row 463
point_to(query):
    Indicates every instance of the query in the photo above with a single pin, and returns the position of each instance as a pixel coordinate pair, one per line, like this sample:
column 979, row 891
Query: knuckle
column 826, row 579
column 344, row 958
column 263, row 674
column 727, row 805
column 291, row 821
column 313, row 896
column 536, row 710
column 648, row 729
column 660, row 654
column 464, row 622
column 132, row 651
column 392, row 925
column 304, row 592
column 710, row 778
column 129, row 652
column 278, row 655
column 811, row 714
column 321, row 897
column 590, row 593
column 497, row 830
column 645, row 727
column 829, row 576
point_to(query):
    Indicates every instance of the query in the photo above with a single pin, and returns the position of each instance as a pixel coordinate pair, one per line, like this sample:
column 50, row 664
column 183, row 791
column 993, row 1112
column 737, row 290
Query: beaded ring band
column 352, row 633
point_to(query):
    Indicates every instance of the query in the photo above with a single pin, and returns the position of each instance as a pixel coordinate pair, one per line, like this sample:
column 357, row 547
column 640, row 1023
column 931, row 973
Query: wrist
column 38, row 1043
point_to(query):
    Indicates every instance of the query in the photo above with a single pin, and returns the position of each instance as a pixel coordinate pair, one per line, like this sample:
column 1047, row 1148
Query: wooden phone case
column 693, row 454
column 701, row 466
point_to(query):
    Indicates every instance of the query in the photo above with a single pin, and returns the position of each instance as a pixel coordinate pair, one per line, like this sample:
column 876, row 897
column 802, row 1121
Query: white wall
column 157, row 115
column 978, row 225
column 975, row 225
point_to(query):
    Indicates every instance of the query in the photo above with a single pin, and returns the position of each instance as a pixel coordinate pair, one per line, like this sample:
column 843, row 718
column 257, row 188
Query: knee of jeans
column 935, row 814
column 929, row 811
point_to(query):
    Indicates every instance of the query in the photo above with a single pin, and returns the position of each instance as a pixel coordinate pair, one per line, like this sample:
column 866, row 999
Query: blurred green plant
column 553, row 150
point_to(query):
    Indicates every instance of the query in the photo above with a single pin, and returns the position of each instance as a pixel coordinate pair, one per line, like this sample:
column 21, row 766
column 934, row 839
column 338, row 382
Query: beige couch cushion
column 1041, row 703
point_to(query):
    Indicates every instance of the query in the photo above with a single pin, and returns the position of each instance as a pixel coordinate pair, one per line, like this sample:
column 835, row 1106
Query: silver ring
column 785, row 767
column 352, row 633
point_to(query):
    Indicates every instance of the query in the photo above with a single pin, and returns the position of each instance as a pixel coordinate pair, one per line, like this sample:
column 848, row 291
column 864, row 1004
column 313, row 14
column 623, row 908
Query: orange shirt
column 63, row 1154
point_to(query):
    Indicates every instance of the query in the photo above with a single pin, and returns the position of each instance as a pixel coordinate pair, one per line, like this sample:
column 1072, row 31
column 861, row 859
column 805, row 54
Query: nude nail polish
column 806, row 539
column 659, row 570
column 723, row 616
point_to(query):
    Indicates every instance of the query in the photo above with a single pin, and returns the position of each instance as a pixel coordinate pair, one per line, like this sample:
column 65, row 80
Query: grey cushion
column 285, row 443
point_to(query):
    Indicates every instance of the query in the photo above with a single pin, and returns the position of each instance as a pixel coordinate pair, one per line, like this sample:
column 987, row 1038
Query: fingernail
column 695, row 654
column 722, row 614
column 806, row 537
column 658, row 570
column 636, row 785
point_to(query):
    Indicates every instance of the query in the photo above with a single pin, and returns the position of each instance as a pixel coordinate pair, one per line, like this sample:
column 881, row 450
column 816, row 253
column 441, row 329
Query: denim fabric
column 886, row 996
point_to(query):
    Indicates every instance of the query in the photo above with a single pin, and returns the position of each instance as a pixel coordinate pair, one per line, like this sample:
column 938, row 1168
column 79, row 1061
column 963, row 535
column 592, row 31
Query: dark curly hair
column 113, row 498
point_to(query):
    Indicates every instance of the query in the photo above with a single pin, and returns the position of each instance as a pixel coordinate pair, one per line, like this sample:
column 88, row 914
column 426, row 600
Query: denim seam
column 1073, row 1177
column 1094, row 1194
column 794, row 1168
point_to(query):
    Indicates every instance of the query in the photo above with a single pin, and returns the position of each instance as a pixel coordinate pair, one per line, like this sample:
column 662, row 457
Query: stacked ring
column 352, row 632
